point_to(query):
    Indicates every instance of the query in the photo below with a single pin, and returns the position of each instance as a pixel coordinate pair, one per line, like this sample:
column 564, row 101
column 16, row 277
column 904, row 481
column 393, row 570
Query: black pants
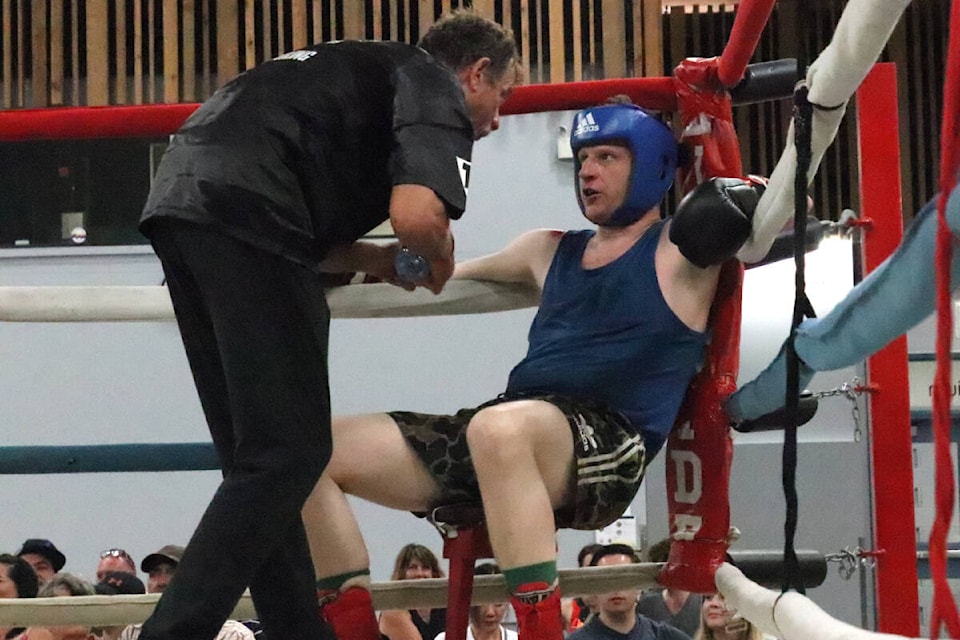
column 255, row 328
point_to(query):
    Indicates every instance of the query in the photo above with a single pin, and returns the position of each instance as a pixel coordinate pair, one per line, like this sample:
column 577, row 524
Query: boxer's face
column 603, row 180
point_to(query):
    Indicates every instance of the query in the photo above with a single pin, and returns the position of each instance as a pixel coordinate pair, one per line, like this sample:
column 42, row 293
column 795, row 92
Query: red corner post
column 699, row 450
column 898, row 601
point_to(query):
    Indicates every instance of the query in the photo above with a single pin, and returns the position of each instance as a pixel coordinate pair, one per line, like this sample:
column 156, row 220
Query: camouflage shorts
column 610, row 457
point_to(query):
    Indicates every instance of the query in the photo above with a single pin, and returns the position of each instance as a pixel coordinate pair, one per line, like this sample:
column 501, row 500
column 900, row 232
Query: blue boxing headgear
column 651, row 144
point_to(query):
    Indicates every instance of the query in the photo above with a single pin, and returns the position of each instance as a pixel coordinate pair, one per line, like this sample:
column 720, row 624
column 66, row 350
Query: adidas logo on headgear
column 585, row 124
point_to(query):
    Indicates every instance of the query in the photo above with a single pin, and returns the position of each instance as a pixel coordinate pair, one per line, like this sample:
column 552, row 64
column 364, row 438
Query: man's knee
column 496, row 433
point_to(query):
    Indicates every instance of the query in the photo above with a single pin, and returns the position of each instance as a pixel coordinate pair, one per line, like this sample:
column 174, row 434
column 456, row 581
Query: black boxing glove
column 714, row 220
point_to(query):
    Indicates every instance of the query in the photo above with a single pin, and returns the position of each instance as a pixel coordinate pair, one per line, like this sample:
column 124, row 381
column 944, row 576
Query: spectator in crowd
column 64, row 585
column 617, row 615
column 160, row 567
column 115, row 583
column 486, row 620
column 414, row 562
column 717, row 622
column 115, row 559
column 17, row 580
column 680, row 609
column 577, row 611
column 43, row 556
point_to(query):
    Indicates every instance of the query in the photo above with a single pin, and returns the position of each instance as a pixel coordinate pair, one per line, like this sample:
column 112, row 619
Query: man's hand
column 380, row 267
column 440, row 272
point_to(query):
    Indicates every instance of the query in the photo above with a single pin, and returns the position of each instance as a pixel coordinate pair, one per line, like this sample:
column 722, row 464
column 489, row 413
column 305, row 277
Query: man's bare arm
column 420, row 222
column 525, row 260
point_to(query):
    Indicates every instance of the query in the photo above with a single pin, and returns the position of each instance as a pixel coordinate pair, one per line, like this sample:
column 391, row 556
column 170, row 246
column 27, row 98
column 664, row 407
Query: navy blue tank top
column 608, row 334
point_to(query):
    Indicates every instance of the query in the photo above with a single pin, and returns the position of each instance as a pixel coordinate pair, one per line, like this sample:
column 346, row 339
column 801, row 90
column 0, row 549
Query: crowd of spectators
column 36, row 570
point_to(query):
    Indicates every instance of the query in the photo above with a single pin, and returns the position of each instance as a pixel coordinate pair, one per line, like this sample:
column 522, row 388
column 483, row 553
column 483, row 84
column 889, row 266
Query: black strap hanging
column 802, row 115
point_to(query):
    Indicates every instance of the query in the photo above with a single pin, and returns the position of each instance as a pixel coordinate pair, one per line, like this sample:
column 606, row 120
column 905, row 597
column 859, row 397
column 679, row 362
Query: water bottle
column 410, row 266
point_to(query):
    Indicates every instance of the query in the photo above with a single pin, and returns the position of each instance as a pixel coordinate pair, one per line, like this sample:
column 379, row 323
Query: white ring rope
column 400, row 594
column 152, row 303
column 789, row 616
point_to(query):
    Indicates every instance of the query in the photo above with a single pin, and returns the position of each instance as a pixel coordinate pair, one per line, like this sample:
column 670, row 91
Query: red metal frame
column 751, row 18
column 898, row 600
column 157, row 120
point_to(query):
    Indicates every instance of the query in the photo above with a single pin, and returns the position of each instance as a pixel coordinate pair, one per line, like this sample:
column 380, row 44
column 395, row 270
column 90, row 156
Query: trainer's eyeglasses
column 117, row 553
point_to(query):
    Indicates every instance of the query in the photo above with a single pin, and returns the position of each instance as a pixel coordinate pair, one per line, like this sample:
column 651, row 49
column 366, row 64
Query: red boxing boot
column 538, row 614
column 350, row 613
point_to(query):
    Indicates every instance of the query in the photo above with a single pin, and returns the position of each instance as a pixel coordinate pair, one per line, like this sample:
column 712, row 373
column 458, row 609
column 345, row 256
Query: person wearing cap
column 43, row 556
column 160, row 567
column 115, row 583
column 620, row 332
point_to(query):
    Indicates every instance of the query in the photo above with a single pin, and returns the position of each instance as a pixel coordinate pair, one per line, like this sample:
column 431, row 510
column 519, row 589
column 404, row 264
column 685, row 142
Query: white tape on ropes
column 789, row 616
column 152, row 303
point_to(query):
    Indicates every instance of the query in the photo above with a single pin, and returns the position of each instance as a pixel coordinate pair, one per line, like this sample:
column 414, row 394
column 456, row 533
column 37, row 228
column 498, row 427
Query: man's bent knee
column 496, row 432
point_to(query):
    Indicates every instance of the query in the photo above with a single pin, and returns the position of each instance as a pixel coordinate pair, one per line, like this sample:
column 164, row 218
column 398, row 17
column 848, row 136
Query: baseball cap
column 119, row 583
column 167, row 553
column 46, row 549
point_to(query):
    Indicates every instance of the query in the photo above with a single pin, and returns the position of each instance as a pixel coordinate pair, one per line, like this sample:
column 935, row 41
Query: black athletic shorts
column 610, row 457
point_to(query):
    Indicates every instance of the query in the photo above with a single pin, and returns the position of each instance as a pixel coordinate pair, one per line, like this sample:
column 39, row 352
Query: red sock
column 350, row 613
column 538, row 612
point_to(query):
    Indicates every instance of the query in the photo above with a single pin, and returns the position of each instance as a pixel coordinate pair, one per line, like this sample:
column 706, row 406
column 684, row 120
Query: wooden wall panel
column 647, row 24
column 39, row 29
column 119, row 28
column 97, row 48
column 137, row 52
column 354, row 21
column 228, row 51
column 614, row 39
column 522, row 17
column 425, row 14
column 558, row 59
column 171, row 52
column 150, row 37
column 17, row 36
column 298, row 22
column 188, row 48
column 75, row 98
